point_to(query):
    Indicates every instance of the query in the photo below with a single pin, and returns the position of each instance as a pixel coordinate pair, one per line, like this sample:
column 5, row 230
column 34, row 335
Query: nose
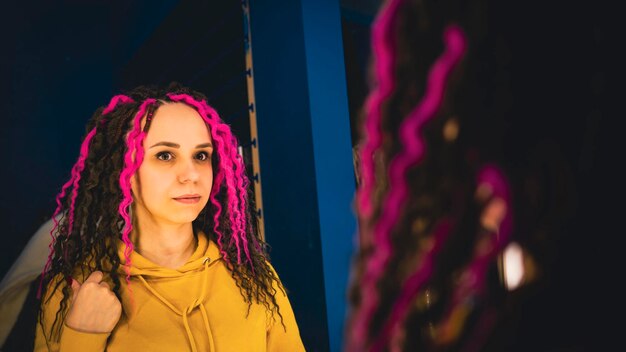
column 188, row 172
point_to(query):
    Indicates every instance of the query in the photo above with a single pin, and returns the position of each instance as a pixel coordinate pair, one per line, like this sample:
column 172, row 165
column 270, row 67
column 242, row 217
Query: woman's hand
column 94, row 307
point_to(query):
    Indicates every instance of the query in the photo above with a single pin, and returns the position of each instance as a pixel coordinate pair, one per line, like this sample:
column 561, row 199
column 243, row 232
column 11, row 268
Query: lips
column 188, row 198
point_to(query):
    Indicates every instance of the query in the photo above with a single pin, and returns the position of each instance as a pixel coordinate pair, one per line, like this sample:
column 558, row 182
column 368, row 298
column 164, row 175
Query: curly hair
column 425, row 274
column 93, row 206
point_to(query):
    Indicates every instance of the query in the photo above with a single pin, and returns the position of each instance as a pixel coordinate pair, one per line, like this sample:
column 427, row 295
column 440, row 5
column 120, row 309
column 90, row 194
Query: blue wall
column 306, row 159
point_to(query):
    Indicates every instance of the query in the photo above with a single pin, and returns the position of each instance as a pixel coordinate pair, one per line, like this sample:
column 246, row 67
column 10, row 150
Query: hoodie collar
column 143, row 266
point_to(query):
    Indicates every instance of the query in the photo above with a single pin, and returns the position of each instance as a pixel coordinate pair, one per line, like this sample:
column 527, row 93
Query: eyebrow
column 175, row 145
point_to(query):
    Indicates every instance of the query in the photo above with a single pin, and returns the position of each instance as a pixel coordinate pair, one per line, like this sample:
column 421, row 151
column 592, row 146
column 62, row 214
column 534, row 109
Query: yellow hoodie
column 197, row 307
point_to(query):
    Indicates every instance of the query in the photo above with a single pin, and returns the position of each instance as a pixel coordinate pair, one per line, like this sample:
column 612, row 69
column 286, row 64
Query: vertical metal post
column 254, row 137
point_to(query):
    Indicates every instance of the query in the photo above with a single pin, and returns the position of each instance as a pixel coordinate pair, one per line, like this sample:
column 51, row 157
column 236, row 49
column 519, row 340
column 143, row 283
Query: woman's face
column 174, row 181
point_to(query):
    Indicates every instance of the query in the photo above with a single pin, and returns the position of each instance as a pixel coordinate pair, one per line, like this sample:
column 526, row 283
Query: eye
column 203, row 156
column 164, row 156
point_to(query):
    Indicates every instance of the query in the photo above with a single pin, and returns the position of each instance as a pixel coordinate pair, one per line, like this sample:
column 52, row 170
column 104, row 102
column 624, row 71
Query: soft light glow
column 451, row 130
column 513, row 266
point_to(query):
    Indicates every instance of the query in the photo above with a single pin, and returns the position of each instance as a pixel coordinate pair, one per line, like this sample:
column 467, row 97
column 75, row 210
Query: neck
column 167, row 245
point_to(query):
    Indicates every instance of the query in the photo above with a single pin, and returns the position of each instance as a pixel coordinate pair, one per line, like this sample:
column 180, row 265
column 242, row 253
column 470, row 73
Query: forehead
column 178, row 122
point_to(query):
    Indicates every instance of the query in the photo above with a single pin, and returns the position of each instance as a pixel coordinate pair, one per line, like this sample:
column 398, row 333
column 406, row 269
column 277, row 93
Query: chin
column 184, row 217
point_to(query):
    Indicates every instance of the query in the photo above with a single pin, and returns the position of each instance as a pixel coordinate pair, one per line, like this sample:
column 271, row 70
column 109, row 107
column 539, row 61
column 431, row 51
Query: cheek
column 154, row 183
column 150, row 185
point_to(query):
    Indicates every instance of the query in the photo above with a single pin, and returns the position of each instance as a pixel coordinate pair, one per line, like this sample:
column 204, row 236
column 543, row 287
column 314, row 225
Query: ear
column 131, row 213
column 135, row 186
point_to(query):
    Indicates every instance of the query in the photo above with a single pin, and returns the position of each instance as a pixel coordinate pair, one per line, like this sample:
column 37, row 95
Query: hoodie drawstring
column 190, row 308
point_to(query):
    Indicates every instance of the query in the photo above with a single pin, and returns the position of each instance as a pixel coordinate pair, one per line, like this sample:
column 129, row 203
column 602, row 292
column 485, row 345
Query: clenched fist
column 94, row 307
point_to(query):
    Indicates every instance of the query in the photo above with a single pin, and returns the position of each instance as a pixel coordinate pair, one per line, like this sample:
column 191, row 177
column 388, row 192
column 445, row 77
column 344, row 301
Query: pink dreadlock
column 134, row 146
column 383, row 47
column 74, row 180
column 397, row 194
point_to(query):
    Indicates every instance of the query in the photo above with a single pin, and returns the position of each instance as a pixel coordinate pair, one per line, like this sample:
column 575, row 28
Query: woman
column 158, row 248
